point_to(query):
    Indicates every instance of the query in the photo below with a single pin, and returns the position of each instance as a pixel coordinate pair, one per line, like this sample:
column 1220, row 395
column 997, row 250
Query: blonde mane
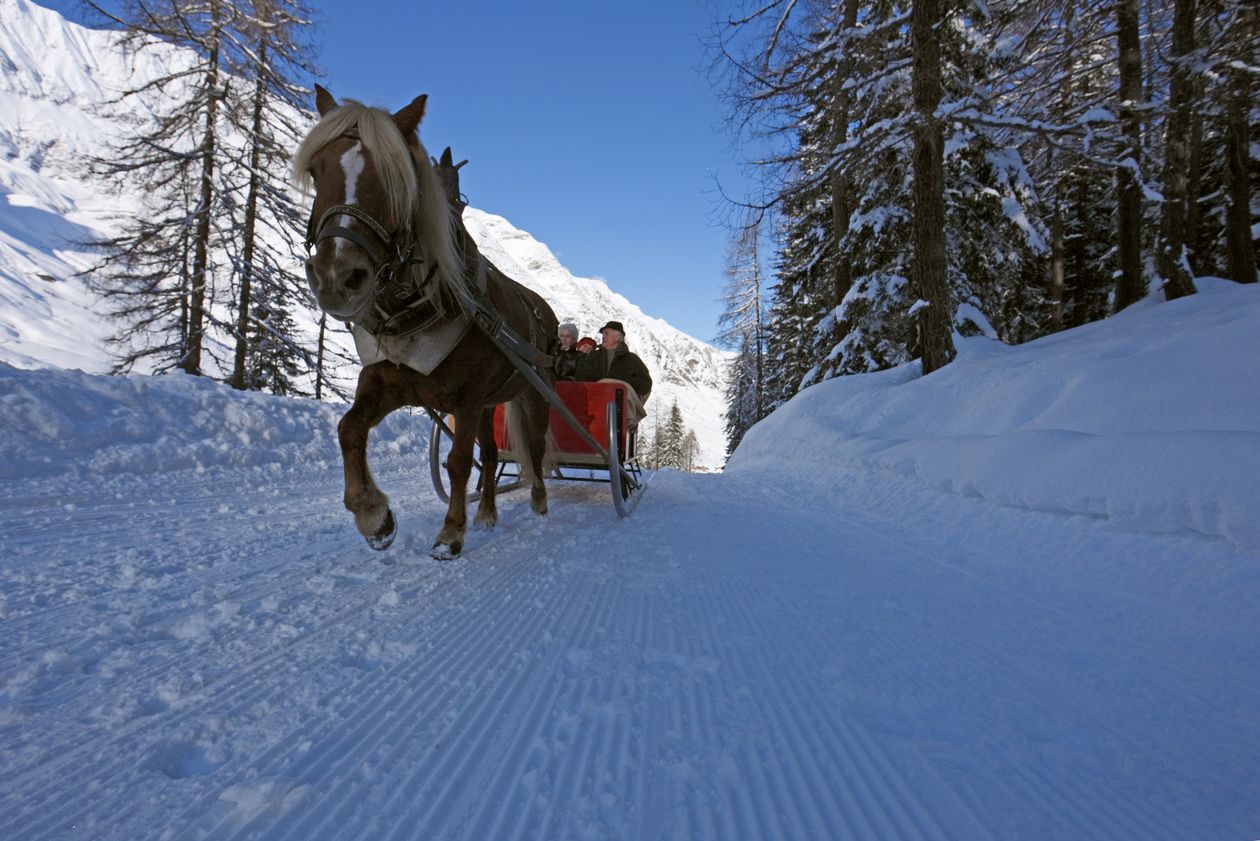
column 412, row 189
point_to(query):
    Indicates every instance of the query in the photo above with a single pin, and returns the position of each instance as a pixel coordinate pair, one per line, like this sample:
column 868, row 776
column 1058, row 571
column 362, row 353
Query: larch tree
column 269, row 351
column 155, row 275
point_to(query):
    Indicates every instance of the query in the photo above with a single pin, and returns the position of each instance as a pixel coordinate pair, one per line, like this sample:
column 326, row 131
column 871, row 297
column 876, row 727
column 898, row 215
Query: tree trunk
column 1129, row 287
column 841, row 198
column 1194, row 185
column 759, row 339
column 1057, row 259
column 936, row 343
column 251, row 216
column 1174, row 267
column 1240, row 249
column 201, row 242
column 319, row 358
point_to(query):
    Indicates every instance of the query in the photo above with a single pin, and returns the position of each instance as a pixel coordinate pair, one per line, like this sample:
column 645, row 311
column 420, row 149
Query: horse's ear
column 447, row 158
column 409, row 117
column 461, row 163
column 324, row 101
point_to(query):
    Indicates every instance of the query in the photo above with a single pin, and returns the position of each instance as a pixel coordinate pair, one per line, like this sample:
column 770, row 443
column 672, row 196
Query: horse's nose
column 355, row 278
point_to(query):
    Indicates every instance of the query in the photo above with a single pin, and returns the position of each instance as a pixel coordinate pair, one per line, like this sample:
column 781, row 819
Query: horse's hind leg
column 537, row 418
column 450, row 540
column 373, row 400
column 487, row 515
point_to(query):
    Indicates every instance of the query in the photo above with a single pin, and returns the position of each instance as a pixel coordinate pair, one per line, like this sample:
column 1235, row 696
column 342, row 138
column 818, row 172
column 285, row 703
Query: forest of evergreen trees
column 1006, row 168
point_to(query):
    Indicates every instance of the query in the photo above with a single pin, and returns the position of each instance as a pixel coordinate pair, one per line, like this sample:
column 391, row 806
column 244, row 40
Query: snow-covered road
column 215, row 654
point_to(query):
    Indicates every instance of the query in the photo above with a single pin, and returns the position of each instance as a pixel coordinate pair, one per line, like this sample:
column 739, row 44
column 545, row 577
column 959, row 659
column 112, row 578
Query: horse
column 382, row 229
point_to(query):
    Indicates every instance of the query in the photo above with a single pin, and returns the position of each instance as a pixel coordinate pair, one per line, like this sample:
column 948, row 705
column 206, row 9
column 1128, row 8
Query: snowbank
column 1150, row 419
column 69, row 422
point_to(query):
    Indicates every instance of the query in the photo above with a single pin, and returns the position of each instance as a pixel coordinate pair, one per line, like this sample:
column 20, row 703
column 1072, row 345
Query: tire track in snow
column 393, row 691
column 788, row 799
column 189, row 708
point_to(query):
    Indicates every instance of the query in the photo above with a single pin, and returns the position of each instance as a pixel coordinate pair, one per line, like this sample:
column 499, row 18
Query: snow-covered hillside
column 1013, row 599
column 56, row 80
column 1148, row 420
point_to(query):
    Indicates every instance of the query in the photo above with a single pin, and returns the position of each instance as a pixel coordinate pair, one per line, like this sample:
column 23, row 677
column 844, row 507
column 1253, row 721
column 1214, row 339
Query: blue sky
column 590, row 125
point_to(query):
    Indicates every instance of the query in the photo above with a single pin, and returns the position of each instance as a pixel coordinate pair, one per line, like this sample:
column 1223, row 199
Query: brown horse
column 382, row 226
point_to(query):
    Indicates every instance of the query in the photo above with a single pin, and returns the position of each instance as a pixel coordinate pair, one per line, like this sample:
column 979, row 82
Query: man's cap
column 613, row 325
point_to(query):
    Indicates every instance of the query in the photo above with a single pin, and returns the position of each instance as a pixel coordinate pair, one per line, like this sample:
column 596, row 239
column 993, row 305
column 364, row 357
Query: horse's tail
column 518, row 433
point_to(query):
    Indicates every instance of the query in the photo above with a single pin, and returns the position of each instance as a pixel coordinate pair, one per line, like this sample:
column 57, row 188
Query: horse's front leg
column 370, row 506
column 450, row 540
column 487, row 514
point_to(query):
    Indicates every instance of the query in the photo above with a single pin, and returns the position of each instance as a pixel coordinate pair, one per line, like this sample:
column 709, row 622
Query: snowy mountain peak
column 674, row 356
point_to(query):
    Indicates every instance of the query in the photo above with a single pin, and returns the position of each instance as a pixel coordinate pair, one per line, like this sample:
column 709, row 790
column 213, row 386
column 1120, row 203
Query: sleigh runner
column 606, row 413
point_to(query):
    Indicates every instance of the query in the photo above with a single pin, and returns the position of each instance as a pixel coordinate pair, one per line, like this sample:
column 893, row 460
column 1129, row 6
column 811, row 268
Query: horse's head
column 376, row 198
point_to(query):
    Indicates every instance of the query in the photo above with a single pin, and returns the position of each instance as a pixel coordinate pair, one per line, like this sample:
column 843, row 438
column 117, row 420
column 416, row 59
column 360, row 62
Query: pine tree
column 671, row 440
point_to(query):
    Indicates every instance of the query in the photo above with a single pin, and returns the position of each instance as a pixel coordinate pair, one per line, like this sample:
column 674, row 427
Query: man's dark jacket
column 625, row 366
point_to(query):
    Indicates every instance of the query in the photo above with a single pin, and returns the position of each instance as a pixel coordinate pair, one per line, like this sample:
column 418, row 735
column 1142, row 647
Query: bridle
column 387, row 244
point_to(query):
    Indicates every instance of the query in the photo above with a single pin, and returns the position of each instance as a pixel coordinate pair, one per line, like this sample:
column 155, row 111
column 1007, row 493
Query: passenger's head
column 613, row 333
column 568, row 334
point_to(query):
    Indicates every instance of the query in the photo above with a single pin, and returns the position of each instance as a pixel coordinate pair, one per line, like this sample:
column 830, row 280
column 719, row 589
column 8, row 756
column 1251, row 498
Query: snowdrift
column 56, row 422
column 1150, row 419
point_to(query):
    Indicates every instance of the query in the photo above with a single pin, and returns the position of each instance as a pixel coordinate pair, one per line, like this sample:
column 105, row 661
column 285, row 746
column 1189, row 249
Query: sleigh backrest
column 588, row 402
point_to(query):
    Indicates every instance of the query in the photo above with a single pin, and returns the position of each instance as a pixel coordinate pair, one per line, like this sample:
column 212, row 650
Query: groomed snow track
column 218, row 656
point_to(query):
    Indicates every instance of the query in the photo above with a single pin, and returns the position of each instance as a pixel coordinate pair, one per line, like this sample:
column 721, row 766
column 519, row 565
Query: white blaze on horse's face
column 351, row 169
column 340, row 273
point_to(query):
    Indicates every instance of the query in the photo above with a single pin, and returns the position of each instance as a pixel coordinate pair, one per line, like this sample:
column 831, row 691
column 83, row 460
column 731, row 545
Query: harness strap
column 317, row 231
column 331, row 231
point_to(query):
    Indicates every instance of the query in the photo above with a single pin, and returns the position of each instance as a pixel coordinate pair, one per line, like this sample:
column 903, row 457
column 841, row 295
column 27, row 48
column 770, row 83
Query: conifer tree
column 742, row 328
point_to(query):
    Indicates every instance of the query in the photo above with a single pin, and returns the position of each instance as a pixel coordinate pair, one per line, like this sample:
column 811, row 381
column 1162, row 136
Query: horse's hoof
column 384, row 538
column 446, row 551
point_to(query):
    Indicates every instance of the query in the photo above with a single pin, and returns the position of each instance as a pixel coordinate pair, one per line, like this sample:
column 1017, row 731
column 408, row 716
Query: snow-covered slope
column 1013, row 599
column 1150, row 420
column 56, row 80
